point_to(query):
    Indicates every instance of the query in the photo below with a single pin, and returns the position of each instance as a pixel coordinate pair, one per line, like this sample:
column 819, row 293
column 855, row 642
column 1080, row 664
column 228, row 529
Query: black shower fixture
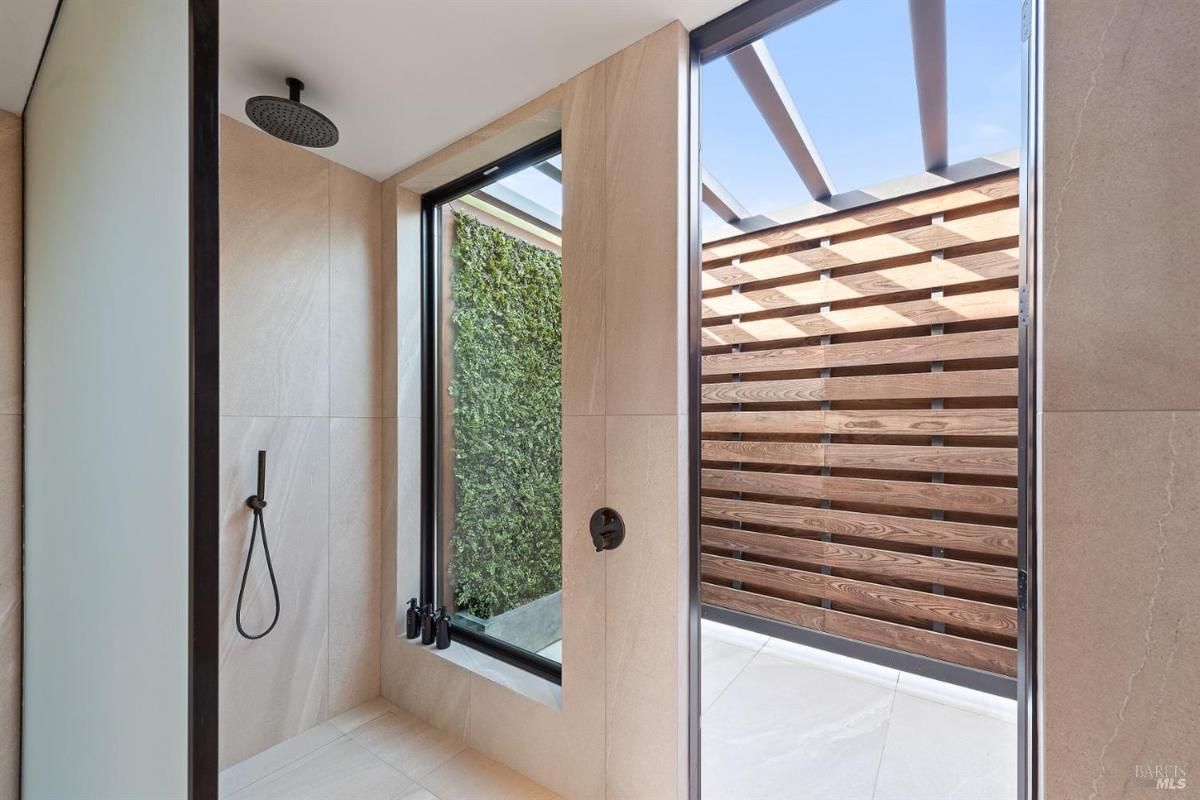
column 288, row 119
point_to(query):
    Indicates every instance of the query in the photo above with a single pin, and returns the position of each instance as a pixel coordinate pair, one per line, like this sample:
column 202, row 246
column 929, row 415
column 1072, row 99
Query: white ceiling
column 401, row 78
column 404, row 78
column 23, row 28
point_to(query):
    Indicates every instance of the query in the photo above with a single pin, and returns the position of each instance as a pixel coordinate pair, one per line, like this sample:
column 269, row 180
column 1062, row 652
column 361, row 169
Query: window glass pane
column 501, row 411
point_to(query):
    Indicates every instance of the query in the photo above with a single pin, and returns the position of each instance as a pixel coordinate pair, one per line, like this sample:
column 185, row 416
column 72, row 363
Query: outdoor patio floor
column 788, row 722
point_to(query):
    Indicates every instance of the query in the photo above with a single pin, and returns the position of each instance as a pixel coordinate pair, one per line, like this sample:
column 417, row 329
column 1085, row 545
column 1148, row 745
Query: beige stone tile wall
column 10, row 453
column 1121, row 408
column 302, row 377
column 621, row 729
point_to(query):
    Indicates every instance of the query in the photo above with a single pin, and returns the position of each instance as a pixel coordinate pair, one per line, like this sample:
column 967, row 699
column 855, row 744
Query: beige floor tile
column 470, row 776
column 240, row 775
column 362, row 714
column 407, row 743
column 340, row 771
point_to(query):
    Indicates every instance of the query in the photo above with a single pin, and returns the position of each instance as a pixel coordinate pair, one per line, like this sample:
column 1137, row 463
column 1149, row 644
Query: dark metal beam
column 550, row 171
column 718, row 198
column 758, row 73
column 927, row 19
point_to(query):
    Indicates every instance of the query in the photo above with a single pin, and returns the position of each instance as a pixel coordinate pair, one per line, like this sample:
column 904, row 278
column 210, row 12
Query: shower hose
column 257, row 504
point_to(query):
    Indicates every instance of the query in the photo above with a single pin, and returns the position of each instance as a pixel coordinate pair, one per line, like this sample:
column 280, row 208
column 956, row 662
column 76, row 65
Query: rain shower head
column 288, row 119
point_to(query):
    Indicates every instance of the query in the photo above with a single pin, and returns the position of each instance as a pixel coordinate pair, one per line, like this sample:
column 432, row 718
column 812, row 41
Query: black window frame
column 431, row 489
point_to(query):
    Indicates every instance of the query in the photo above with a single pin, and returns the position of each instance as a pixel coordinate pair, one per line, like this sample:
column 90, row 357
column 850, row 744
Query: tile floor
column 781, row 721
column 374, row 752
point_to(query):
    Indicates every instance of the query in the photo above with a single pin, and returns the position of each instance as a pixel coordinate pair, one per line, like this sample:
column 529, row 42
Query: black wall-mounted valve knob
column 608, row 529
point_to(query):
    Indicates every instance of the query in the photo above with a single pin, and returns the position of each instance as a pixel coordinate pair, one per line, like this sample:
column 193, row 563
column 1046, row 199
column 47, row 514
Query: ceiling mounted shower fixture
column 288, row 119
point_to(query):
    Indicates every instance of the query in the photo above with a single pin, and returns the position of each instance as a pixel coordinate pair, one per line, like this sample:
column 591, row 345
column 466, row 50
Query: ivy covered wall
column 506, row 386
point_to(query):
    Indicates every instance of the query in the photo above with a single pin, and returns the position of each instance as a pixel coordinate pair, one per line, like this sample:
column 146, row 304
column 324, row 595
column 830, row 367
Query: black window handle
column 608, row 529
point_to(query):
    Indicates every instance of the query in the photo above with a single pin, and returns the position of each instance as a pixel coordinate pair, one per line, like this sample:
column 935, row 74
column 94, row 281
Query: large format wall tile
column 576, row 732
column 583, row 244
column 1121, row 632
column 1122, row 194
column 10, row 263
column 355, row 295
column 278, row 686
column 401, row 215
column 274, row 276
column 645, row 598
column 10, row 603
column 645, row 249
column 355, row 505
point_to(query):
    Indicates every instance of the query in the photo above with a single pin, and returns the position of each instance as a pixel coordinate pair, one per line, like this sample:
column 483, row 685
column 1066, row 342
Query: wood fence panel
column 859, row 423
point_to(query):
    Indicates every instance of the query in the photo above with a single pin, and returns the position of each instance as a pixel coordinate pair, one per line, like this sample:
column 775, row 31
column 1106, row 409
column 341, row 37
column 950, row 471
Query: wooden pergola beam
column 719, row 199
column 927, row 19
column 757, row 71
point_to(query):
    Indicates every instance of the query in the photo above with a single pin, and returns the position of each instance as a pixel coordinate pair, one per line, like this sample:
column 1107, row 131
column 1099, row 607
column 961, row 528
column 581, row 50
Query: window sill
column 513, row 678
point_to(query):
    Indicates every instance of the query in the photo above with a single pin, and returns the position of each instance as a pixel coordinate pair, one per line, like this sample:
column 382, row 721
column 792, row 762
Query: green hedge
column 507, row 419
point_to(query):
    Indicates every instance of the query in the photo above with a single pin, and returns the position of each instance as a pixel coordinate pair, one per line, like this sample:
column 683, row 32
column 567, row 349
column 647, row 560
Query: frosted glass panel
column 106, row 481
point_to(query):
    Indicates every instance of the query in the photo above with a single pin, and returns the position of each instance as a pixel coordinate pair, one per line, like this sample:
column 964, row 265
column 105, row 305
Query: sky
column 849, row 69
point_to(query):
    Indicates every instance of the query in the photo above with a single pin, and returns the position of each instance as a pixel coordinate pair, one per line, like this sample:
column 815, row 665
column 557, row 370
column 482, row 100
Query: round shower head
column 288, row 119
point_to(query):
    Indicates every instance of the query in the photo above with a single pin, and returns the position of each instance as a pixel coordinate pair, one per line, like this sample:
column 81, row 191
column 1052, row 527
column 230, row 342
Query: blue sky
column 849, row 68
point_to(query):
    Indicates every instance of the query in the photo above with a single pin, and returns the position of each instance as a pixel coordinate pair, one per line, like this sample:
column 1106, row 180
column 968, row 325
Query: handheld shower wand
column 256, row 503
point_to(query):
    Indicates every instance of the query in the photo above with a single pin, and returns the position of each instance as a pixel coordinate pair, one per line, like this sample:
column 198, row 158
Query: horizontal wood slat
column 904, row 604
column 968, row 536
column 985, row 578
column 907, row 458
column 896, row 280
column 988, row 231
column 925, row 204
column 996, row 304
column 955, row 422
column 913, row 385
column 889, row 333
column 909, row 350
column 967, row 652
column 992, row 500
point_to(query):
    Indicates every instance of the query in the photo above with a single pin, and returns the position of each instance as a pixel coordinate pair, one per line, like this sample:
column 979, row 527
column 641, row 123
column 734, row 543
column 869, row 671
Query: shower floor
column 780, row 721
column 374, row 752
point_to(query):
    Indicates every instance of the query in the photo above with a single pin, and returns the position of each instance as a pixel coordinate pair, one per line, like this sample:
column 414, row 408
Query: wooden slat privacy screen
column 859, row 424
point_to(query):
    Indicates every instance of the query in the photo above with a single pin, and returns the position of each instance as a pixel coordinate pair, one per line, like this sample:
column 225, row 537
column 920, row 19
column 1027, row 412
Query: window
column 493, row 407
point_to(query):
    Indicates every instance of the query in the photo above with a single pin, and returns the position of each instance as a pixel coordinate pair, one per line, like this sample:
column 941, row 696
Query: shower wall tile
column 303, row 293
column 10, row 263
column 575, row 734
column 646, row 592
column 275, row 287
column 645, row 248
column 583, row 244
column 355, row 295
column 401, row 215
column 408, row 305
column 278, row 686
column 1121, row 629
column 10, row 603
column 355, row 505
column 1122, row 195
